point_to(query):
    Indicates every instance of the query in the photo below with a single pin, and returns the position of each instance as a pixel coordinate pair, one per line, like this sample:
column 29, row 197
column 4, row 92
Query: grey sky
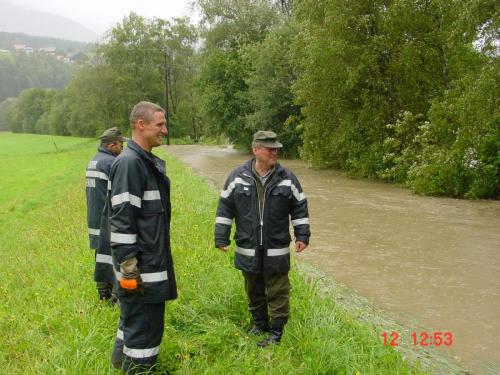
column 100, row 15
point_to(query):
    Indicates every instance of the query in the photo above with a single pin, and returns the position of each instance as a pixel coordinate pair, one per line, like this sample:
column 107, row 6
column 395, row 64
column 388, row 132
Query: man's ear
column 140, row 124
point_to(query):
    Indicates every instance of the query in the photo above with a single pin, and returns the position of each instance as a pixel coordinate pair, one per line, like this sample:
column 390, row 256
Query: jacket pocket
column 152, row 207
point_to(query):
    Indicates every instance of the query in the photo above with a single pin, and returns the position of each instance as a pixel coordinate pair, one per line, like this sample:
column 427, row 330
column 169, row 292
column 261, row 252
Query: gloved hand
column 131, row 278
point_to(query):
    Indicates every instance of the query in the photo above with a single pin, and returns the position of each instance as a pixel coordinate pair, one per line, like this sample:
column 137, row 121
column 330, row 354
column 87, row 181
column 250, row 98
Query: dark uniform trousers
column 143, row 331
column 268, row 292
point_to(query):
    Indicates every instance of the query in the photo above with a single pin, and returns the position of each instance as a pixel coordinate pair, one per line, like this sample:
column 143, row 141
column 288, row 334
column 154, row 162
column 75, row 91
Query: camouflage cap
column 267, row 138
column 112, row 135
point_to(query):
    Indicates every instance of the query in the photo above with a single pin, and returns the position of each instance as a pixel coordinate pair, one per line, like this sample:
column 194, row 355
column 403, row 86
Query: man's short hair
column 144, row 111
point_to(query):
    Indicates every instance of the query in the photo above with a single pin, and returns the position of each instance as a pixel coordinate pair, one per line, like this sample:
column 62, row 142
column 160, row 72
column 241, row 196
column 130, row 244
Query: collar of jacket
column 104, row 150
column 279, row 170
column 156, row 162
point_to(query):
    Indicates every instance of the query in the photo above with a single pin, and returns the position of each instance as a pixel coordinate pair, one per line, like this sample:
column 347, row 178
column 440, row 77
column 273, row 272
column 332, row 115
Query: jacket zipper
column 262, row 216
column 261, row 212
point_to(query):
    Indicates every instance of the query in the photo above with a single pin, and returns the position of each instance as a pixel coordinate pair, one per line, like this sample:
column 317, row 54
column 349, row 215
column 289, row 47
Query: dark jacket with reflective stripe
column 97, row 176
column 140, row 223
column 262, row 246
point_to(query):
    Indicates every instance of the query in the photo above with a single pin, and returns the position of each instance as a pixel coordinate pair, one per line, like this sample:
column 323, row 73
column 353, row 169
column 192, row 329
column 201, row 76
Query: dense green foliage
column 21, row 71
column 403, row 91
column 406, row 91
column 50, row 318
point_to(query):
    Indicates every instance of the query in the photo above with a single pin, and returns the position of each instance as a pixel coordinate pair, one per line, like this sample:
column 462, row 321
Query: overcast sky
column 101, row 15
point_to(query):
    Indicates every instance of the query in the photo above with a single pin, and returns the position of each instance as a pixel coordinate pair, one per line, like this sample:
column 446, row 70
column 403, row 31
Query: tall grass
column 51, row 321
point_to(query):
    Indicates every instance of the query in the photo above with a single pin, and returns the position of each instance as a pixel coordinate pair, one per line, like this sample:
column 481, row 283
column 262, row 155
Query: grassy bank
column 51, row 322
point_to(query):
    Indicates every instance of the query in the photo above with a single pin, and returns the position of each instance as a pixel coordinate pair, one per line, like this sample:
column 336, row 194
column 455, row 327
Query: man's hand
column 299, row 246
column 131, row 278
column 223, row 248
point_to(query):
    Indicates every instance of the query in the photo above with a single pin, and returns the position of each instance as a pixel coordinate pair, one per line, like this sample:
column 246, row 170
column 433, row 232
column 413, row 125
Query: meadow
column 52, row 323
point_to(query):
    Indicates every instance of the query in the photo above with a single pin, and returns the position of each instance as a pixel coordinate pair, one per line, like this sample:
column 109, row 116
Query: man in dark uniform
column 261, row 196
column 140, row 239
column 97, row 177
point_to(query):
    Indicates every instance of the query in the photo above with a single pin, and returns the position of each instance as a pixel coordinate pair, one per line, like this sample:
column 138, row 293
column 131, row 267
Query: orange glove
column 131, row 278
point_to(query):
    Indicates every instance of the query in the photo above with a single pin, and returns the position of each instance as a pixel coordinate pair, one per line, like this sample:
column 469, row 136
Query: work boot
column 260, row 322
column 131, row 368
column 276, row 332
column 117, row 354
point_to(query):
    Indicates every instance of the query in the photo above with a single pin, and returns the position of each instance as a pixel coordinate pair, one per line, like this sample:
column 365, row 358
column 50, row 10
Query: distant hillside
column 15, row 19
column 7, row 41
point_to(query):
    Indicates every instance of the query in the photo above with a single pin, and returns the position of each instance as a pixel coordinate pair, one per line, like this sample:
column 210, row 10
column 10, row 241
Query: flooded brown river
column 435, row 261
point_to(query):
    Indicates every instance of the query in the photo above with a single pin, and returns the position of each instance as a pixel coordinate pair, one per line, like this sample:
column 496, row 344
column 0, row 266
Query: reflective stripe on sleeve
column 151, row 195
column 238, row 180
column 119, row 334
column 300, row 221
column 223, row 220
column 109, row 184
column 295, row 191
column 102, row 258
column 97, row 174
column 151, row 277
column 92, row 164
column 126, row 197
column 243, row 251
column 277, row 252
column 94, row 232
column 141, row 353
column 90, row 182
column 123, row 238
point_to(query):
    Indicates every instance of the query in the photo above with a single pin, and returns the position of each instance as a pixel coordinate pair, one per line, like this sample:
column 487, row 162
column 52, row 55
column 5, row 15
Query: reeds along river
column 435, row 261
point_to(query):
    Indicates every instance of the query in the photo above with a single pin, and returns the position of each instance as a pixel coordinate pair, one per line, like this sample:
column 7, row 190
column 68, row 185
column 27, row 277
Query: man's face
column 154, row 131
column 266, row 156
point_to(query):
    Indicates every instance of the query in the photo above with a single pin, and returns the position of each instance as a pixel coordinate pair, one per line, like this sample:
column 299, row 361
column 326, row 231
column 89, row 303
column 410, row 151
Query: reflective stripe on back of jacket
column 97, row 176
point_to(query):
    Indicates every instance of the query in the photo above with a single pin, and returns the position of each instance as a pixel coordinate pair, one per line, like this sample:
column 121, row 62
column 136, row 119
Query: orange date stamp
column 422, row 339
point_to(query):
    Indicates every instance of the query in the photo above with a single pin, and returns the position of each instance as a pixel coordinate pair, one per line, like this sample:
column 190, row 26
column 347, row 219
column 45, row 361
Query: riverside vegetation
column 404, row 91
column 51, row 322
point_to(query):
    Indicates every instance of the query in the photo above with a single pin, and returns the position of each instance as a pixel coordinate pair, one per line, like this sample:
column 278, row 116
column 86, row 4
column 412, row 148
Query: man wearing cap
column 261, row 196
column 97, row 177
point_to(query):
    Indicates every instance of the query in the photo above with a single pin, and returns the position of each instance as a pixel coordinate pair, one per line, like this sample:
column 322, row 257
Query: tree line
column 20, row 71
column 405, row 91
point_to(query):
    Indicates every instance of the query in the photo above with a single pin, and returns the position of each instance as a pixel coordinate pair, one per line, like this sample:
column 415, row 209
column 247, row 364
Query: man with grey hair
column 97, row 176
column 140, row 241
column 261, row 196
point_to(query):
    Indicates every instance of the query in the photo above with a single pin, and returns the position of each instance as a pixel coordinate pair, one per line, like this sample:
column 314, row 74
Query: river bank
column 431, row 262
column 51, row 322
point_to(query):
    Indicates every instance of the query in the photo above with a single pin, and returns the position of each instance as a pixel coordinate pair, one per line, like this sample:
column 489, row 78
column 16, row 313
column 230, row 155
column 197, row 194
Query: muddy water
column 435, row 261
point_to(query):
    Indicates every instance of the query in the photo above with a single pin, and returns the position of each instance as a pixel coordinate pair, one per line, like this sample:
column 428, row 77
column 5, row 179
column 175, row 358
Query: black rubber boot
column 130, row 368
column 260, row 321
column 276, row 333
column 117, row 354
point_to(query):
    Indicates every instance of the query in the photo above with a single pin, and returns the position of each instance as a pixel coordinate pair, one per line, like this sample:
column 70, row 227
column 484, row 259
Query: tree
column 269, row 82
column 229, row 26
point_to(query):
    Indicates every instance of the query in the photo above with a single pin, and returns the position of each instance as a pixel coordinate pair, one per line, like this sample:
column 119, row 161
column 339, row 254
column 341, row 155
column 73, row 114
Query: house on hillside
column 23, row 48
column 48, row 50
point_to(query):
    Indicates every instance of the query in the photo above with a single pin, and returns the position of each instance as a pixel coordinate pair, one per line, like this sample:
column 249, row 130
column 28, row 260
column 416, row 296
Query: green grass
column 51, row 322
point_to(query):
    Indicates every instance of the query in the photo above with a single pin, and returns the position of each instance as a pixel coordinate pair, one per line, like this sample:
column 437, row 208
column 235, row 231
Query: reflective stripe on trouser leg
column 117, row 353
column 143, row 332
